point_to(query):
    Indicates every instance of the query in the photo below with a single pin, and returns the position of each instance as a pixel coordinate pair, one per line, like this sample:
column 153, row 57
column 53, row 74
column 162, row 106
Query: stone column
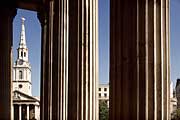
column 54, row 60
column 6, row 19
column 20, row 112
column 27, row 112
column 83, row 60
column 139, row 59
column 12, row 112
column 60, row 60
column 45, row 99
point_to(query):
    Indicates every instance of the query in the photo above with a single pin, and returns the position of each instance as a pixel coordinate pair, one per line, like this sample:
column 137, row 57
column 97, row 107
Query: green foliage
column 103, row 110
column 175, row 115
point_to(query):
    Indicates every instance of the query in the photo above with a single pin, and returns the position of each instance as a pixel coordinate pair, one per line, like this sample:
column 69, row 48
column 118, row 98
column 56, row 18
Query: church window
column 20, row 75
column 21, row 54
column 24, row 54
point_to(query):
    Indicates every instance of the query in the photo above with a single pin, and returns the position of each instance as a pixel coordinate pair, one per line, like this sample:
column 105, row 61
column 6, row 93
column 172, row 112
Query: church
column 25, row 106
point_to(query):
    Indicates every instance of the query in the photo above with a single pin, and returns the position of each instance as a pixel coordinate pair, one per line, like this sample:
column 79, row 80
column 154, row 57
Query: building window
column 105, row 89
column 105, row 95
column 99, row 94
column 24, row 54
column 20, row 86
column 99, row 89
column 21, row 54
column 20, row 75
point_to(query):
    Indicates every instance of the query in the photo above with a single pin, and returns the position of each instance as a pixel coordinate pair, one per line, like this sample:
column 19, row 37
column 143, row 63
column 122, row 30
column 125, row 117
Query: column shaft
column 12, row 112
column 83, row 60
column 139, row 59
column 27, row 112
column 45, row 21
column 20, row 112
column 6, row 19
column 60, row 59
column 54, row 90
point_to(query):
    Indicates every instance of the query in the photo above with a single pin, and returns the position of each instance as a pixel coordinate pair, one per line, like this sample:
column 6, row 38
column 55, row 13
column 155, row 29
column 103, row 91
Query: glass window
column 24, row 54
column 105, row 95
column 99, row 94
column 99, row 89
column 105, row 89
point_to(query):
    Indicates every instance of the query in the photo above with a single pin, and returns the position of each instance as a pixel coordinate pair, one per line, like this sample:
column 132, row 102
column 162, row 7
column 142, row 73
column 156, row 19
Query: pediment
column 19, row 96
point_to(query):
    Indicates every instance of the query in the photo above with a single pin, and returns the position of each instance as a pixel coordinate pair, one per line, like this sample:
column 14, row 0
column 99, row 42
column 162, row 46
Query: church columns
column 139, row 59
column 20, row 112
column 6, row 19
column 27, row 112
column 83, row 58
column 12, row 112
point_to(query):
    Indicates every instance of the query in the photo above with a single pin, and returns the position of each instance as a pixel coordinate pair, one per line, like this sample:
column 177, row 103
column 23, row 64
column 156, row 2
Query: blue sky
column 33, row 32
column 175, row 40
column 104, row 12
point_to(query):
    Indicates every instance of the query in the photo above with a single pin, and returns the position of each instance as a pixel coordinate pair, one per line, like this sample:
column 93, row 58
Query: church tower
column 22, row 68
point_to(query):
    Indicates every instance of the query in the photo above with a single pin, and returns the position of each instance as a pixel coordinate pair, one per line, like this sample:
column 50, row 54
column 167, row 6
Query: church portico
column 24, row 111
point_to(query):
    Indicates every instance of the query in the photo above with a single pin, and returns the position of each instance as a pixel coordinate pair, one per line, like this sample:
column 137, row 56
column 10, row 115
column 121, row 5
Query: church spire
column 22, row 43
column 22, row 49
column 22, row 67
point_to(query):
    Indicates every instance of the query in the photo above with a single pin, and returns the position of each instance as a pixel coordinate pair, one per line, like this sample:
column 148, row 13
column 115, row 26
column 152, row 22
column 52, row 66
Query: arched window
column 20, row 75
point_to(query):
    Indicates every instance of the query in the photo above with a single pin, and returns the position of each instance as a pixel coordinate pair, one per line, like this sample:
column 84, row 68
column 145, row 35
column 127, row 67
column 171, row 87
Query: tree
column 103, row 110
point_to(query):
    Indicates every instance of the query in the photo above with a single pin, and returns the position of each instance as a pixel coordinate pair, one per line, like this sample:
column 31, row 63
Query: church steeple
column 22, row 68
column 22, row 49
column 22, row 43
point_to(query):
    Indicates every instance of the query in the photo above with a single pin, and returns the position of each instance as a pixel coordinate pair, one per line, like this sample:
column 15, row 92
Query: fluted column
column 6, row 19
column 139, row 59
column 45, row 65
column 83, row 60
column 46, row 19
column 12, row 112
column 60, row 60
column 54, row 83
